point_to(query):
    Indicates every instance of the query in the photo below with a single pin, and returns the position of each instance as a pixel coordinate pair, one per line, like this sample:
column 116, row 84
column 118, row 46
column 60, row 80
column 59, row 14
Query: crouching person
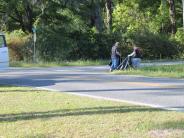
column 135, row 57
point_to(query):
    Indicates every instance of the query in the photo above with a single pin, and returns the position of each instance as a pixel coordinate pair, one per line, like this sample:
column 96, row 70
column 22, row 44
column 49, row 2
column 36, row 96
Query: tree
column 95, row 15
column 163, row 9
column 183, row 12
column 172, row 15
column 108, row 5
column 19, row 14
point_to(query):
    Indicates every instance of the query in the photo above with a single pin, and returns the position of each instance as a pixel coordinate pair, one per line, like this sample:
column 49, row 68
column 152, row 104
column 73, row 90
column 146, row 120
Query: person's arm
column 132, row 54
column 117, row 52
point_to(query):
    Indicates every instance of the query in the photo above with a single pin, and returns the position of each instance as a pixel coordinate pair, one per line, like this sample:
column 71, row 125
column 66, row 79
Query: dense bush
column 179, row 37
column 20, row 46
column 154, row 46
column 82, row 29
column 56, row 44
column 146, row 28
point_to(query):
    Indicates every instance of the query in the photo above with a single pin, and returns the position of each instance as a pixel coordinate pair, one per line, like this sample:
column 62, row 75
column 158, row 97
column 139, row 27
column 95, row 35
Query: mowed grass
column 28, row 113
column 171, row 71
column 61, row 63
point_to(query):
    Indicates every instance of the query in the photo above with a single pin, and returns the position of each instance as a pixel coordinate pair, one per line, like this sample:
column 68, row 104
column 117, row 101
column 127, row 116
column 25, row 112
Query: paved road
column 97, row 82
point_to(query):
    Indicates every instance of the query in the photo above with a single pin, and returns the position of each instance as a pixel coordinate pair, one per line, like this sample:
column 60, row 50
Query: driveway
column 97, row 82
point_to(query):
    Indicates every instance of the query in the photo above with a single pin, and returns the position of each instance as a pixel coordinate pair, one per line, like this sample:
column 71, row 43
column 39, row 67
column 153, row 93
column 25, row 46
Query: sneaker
column 111, row 70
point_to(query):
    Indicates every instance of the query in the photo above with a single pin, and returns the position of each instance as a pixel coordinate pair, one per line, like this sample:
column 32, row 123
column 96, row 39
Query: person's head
column 137, row 50
column 117, row 44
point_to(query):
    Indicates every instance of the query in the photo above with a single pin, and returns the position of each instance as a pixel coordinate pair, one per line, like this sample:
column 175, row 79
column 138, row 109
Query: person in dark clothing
column 136, row 53
column 135, row 57
column 115, row 56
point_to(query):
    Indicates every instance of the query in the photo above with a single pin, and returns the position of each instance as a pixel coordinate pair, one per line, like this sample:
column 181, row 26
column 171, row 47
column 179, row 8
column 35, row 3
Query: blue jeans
column 115, row 62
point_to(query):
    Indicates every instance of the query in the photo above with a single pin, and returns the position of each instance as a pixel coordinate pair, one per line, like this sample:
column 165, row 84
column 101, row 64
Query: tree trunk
column 163, row 13
column 183, row 13
column 20, row 19
column 98, row 18
column 172, row 16
column 29, row 16
column 108, row 6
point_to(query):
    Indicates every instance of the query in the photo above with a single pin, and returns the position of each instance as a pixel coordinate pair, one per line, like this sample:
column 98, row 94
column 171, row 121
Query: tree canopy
column 74, row 29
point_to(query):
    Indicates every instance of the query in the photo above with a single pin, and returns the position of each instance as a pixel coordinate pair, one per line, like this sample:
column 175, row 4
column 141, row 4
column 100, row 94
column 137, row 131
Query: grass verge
column 25, row 112
column 171, row 71
column 63, row 63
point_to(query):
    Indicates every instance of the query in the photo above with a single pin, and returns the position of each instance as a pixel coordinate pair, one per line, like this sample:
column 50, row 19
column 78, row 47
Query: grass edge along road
column 170, row 71
column 26, row 112
column 58, row 64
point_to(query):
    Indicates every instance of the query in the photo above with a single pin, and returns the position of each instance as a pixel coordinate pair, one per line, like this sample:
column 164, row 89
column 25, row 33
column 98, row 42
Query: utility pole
column 34, row 44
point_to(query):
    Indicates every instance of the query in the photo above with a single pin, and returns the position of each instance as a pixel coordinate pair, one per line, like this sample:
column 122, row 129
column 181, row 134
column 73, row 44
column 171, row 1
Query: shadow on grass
column 74, row 112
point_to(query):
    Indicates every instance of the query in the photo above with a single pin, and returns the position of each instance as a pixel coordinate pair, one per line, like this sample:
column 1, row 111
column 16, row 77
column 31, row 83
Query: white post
column 34, row 45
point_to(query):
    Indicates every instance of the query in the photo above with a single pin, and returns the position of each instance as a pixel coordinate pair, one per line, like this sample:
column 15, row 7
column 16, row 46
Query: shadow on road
column 51, row 78
column 136, row 90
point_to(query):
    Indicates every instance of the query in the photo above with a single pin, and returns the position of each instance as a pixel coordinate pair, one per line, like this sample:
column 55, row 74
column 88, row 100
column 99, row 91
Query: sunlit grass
column 61, row 63
column 172, row 71
column 25, row 112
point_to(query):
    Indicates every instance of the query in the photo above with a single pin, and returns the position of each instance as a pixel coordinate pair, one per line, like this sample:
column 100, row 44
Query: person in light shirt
column 115, row 56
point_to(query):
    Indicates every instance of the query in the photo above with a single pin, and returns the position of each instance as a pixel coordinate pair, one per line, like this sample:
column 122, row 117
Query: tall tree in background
column 96, row 18
column 172, row 15
column 163, row 13
column 108, row 5
column 19, row 14
column 183, row 12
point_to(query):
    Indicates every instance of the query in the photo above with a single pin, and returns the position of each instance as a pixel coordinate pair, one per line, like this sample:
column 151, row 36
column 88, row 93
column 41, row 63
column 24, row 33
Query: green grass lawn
column 28, row 113
column 62, row 63
column 172, row 71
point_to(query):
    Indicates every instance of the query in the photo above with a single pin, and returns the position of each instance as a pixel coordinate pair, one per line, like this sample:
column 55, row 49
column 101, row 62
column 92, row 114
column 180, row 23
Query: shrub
column 58, row 44
column 20, row 46
column 154, row 46
column 179, row 37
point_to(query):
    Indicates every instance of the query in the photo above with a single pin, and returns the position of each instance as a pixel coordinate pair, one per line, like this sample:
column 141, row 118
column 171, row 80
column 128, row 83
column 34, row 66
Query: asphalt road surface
column 97, row 82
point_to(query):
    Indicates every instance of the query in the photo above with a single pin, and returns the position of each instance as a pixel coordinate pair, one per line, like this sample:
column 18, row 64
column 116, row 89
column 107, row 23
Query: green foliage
column 128, row 18
column 134, row 16
column 146, row 26
column 20, row 46
column 160, row 21
column 154, row 46
column 53, row 43
column 179, row 37
column 58, row 41
column 74, row 29
column 57, row 45
column 169, row 71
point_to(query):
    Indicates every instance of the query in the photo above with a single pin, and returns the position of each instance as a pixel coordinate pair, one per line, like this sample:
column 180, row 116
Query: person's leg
column 136, row 62
column 116, row 63
column 130, row 60
column 112, row 65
